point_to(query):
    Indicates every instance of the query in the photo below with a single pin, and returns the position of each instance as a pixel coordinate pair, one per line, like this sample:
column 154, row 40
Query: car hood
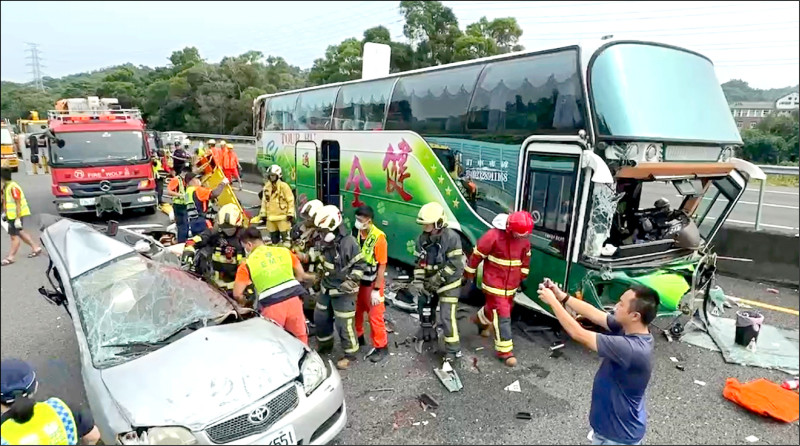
column 205, row 376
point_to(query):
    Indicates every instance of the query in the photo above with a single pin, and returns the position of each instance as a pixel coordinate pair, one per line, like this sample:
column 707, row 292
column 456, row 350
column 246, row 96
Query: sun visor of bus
column 602, row 174
column 749, row 168
column 656, row 171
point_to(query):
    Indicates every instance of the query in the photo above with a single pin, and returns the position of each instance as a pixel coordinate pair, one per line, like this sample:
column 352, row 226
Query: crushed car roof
column 81, row 247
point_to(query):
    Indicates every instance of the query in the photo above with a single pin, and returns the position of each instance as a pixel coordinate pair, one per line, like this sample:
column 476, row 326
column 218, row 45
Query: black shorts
column 12, row 230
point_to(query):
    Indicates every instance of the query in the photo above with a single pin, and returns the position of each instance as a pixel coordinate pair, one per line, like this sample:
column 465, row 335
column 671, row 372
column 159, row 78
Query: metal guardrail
column 225, row 137
column 781, row 170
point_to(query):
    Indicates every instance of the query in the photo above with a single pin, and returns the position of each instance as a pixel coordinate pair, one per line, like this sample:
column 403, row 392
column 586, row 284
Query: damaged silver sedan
column 167, row 359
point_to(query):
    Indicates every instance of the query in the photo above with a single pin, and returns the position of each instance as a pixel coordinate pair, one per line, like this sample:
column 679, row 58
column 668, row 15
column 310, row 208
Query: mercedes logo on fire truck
column 105, row 186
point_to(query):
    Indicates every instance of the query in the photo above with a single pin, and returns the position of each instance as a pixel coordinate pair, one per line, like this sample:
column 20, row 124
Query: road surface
column 555, row 391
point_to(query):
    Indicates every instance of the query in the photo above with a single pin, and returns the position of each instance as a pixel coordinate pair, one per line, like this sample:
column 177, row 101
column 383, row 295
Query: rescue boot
column 361, row 341
column 511, row 361
column 378, row 354
column 324, row 347
column 484, row 330
column 345, row 361
column 453, row 358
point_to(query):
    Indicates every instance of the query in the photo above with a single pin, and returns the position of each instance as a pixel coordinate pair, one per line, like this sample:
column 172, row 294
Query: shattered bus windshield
column 135, row 301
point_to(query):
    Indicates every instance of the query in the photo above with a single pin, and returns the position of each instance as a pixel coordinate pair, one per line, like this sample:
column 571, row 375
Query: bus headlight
column 651, row 154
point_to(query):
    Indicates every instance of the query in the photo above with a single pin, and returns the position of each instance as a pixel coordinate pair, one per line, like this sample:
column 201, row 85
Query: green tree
column 503, row 32
column 434, row 28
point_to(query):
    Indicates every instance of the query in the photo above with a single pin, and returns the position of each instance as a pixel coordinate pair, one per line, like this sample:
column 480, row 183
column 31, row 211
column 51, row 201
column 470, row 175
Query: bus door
column 305, row 161
column 328, row 173
column 549, row 188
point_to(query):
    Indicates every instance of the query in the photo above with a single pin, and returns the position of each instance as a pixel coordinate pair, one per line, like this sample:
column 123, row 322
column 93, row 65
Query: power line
column 36, row 65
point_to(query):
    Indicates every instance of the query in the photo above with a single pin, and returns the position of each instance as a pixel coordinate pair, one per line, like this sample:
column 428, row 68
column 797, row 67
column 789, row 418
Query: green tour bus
column 595, row 140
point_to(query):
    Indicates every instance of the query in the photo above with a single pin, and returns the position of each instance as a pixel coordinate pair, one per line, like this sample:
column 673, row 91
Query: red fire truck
column 99, row 157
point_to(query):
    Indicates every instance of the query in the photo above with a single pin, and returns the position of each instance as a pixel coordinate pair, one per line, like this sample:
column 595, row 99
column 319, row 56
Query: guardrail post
column 760, row 203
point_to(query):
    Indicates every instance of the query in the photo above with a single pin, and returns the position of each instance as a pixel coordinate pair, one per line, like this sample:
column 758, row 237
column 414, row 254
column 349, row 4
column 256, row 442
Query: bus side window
column 362, row 106
column 550, row 189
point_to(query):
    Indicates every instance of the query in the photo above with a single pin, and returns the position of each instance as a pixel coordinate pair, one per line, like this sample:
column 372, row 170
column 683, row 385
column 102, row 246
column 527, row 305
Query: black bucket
column 748, row 325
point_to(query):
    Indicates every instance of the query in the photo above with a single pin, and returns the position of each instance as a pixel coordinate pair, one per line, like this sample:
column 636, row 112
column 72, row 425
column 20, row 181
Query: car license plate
column 87, row 201
column 284, row 436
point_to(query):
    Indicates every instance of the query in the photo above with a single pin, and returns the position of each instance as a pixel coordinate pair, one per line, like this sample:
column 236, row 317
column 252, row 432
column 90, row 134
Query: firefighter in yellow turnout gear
column 227, row 252
column 277, row 207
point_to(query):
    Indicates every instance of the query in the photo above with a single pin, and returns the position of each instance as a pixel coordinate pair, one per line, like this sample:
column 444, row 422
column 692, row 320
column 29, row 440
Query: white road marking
column 752, row 223
column 753, row 203
column 774, row 192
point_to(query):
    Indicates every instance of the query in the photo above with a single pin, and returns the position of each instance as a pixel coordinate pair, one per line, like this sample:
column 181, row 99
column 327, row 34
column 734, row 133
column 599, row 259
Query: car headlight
column 158, row 435
column 312, row 371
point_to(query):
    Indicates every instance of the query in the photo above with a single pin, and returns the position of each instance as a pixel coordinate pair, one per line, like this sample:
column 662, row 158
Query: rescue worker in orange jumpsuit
column 370, row 292
column 506, row 256
column 230, row 165
column 198, row 198
column 276, row 273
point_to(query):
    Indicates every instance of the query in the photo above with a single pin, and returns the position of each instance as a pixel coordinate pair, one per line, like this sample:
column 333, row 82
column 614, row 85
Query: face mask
column 329, row 237
column 361, row 225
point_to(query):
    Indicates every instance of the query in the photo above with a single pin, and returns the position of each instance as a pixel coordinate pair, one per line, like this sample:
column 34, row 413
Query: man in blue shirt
column 617, row 413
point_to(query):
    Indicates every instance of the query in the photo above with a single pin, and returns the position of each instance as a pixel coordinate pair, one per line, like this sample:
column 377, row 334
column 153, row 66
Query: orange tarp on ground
column 765, row 398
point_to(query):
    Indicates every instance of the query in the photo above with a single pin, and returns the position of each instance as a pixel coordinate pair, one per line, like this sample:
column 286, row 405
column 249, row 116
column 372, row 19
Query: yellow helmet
column 432, row 214
column 222, row 143
column 229, row 215
column 229, row 145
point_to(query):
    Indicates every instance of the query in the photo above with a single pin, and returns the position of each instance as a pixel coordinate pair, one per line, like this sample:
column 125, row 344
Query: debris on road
column 773, row 291
column 383, row 389
column 449, row 377
column 791, row 384
column 557, row 354
column 680, row 367
column 479, row 349
column 475, row 363
column 765, row 398
column 524, row 416
column 556, row 345
column 428, row 402
column 700, row 383
column 673, row 359
column 514, row 387
column 752, row 439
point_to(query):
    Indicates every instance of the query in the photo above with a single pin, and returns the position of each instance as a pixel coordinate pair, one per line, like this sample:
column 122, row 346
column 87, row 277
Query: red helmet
column 520, row 223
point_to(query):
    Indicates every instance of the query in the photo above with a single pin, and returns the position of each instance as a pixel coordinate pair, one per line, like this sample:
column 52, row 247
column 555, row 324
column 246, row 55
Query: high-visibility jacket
column 272, row 274
column 440, row 254
column 219, row 154
column 226, row 256
column 11, row 204
column 341, row 260
column 52, row 423
column 183, row 197
column 368, row 250
column 506, row 262
column 277, row 202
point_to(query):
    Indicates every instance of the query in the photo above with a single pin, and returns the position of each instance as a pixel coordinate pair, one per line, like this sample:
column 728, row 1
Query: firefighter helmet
column 222, row 143
column 311, row 208
column 275, row 170
column 212, row 142
column 432, row 214
column 229, row 145
column 328, row 217
column 520, row 223
column 186, row 143
column 229, row 215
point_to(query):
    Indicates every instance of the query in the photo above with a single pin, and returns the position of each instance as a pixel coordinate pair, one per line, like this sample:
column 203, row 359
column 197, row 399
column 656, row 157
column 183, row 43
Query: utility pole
column 35, row 64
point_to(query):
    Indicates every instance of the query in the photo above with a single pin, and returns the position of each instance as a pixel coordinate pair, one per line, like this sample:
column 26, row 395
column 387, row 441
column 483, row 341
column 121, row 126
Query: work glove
column 415, row 289
column 187, row 261
column 375, row 298
column 348, row 287
column 18, row 223
column 434, row 283
column 255, row 220
column 226, row 181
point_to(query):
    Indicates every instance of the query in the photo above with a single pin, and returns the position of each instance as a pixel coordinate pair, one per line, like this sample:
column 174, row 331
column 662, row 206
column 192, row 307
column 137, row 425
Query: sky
column 753, row 41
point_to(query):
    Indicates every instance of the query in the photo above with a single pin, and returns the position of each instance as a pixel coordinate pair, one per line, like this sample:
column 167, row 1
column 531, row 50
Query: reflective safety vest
column 182, row 198
column 11, row 205
column 52, row 423
column 368, row 250
column 272, row 274
column 192, row 203
column 157, row 167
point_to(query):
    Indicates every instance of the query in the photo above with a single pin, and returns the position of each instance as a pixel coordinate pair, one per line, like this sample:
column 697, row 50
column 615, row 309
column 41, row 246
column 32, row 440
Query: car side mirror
column 54, row 297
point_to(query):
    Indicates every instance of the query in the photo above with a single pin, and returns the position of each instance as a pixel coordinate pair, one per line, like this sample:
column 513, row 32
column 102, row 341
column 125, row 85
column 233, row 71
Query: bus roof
column 585, row 47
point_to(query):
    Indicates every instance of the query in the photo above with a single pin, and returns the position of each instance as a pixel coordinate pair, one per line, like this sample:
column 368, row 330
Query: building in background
column 788, row 104
column 748, row 114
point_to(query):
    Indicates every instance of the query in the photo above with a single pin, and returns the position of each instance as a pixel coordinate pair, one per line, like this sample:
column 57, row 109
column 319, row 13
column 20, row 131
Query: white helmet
column 275, row 170
column 328, row 217
column 212, row 141
column 187, row 143
column 311, row 208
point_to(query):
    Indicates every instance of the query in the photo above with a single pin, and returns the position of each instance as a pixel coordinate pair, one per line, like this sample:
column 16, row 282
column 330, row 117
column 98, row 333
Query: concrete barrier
column 776, row 256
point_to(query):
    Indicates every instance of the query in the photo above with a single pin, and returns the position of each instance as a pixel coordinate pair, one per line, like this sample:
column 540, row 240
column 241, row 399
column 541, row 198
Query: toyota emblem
column 105, row 186
column 259, row 415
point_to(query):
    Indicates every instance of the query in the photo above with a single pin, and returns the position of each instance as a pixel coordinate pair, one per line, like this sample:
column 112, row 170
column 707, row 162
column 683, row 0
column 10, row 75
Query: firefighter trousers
column 377, row 326
column 497, row 313
column 279, row 232
column 338, row 311
column 448, row 307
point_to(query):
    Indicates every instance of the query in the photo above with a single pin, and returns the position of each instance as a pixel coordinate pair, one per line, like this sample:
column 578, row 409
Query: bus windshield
column 652, row 92
column 100, row 147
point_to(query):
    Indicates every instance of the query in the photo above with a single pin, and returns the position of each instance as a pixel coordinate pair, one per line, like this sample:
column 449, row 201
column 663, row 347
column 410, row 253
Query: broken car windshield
column 133, row 302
